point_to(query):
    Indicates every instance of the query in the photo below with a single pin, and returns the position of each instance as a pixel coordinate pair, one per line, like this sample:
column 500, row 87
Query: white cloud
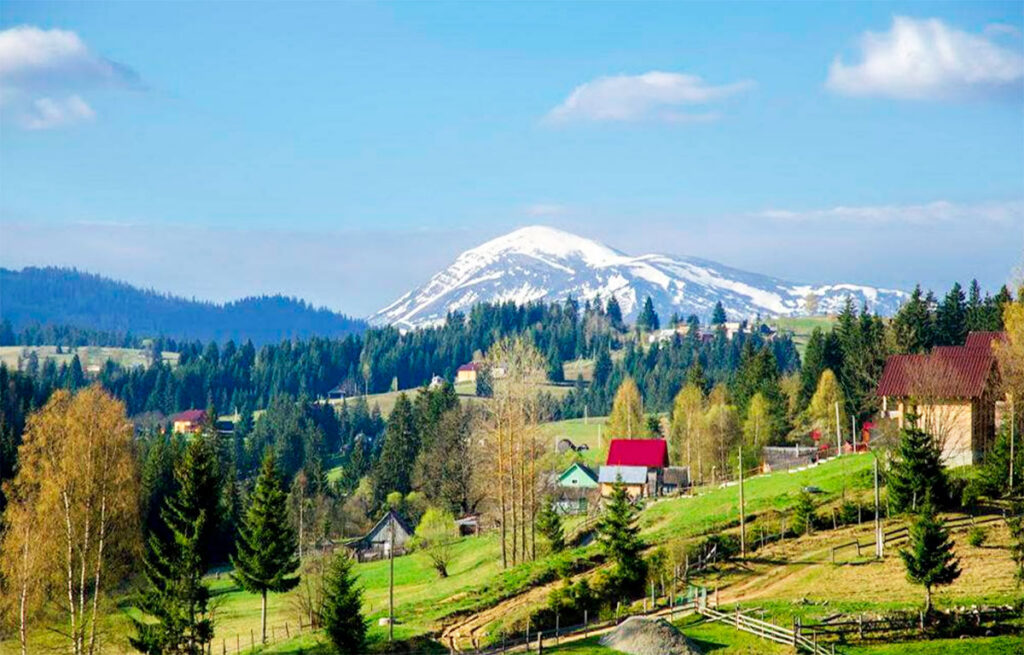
column 931, row 213
column 541, row 209
column 43, row 71
column 926, row 59
column 655, row 95
column 46, row 113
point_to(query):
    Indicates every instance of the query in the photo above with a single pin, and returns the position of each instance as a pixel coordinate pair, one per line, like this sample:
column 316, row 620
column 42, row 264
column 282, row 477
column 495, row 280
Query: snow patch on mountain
column 543, row 263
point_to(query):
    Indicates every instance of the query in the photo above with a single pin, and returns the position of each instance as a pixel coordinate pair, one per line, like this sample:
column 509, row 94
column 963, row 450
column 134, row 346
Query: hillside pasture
column 92, row 358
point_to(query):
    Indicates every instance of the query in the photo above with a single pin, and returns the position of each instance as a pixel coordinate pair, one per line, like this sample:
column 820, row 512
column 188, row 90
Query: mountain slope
column 542, row 263
column 60, row 296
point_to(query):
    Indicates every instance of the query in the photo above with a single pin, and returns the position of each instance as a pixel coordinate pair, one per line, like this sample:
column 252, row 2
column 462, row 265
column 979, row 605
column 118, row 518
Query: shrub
column 977, row 536
column 849, row 511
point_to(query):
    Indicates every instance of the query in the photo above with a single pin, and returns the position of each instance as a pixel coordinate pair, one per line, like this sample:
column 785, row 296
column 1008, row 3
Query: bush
column 849, row 512
column 977, row 536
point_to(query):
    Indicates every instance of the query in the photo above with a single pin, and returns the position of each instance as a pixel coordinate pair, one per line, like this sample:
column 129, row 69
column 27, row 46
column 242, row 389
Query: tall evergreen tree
column 398, row 455
column 718, row 315
column 176, row 602
column 614, row 313
column 619, row 538
column 928, row 557
column 341, row 614
column 549, row 524
column 917, row 476
column 912, row 324
column 648, row 321
column 951, row 318
column 266, row 559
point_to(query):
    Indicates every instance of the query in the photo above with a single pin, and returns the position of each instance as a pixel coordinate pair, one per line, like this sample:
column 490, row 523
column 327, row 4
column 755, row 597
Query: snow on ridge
column 540, row 263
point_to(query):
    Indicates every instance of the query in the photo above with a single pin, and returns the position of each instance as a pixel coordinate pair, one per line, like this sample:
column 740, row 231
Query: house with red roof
column 188, row 422
column 953, row 391
column 639, row 464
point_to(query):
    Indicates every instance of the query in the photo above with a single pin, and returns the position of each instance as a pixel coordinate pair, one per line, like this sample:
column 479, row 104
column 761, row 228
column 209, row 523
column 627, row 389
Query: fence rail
column 769, row 631
column 895, row 536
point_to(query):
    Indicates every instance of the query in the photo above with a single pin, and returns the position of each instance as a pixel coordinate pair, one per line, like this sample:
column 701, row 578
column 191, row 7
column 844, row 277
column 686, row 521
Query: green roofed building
column 578, row 476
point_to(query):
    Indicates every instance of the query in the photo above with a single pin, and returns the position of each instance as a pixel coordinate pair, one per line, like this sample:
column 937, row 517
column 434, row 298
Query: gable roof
column 652, row 453
column 471, row 366
column 983, row 339
column 946, row 372
column 392, row 515
column 191, row 415
column 582, row 468
column 625, row 474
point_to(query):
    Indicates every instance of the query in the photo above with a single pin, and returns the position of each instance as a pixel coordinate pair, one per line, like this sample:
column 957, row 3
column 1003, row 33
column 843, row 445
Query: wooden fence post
column 238, row 646
column 586, row 624
column 796, row 630
column 287, row 633
column 252, row 638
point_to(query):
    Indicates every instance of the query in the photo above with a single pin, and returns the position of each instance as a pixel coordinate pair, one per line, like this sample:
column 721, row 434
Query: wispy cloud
column 655, row 95
column 927, row 59
column 941, row 211
column 545, row 209
column 42, row 73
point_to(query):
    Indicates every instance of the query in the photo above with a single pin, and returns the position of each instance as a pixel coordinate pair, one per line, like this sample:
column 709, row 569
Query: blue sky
column 344, row 152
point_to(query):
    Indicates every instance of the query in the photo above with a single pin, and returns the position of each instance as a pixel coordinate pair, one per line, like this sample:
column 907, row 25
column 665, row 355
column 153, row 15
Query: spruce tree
column 175, row 603
column 341, row 613
column 718, row 315
column 928, row 557
column 951, row 318
column 398, row 455
column 648, row 319
column 266, row 560
column 549, row 524
column 916, row 475
column 619, row 539
column 803, row 514
column 614, row 313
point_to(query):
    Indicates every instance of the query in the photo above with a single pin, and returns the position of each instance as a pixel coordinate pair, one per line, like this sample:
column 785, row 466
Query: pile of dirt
column 640, row 636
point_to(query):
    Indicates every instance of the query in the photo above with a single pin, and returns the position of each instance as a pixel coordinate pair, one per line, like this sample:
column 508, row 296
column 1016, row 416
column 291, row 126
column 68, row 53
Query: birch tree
column 78, row 485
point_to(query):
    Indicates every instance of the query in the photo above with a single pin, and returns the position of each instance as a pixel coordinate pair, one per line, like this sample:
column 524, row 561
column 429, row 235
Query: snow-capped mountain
column 542, row 263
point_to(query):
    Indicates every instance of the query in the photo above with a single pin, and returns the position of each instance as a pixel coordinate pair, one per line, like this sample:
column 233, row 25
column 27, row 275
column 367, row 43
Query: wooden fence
column 795, row 637
column 910, row 621
column 223, row 644
column 895, row 536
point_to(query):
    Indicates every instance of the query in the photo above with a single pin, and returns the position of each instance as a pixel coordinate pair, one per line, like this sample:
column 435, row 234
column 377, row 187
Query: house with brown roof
column 188, row 422
column 953, row 390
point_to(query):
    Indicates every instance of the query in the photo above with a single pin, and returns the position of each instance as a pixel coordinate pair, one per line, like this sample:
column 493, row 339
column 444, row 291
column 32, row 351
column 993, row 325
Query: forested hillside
column 60, row 296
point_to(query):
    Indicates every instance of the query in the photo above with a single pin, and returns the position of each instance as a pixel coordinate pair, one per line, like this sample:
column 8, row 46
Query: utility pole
column 1013, row 426
column 391, row 582
column 839, row 434
column 743, row 523
column 878, row 518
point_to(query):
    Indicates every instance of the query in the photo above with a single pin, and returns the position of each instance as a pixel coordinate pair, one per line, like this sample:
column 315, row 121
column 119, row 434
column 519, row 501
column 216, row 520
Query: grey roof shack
column 376, row 543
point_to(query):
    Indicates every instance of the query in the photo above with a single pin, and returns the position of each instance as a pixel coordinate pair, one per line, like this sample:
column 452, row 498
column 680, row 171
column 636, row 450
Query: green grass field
column 801, row 327
column 93, row 358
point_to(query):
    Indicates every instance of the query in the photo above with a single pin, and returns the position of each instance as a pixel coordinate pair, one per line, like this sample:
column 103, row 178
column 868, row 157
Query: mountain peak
column 540, row 263
column 541, row 240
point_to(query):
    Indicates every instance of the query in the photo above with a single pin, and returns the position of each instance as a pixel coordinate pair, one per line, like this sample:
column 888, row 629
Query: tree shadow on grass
column 706, row 645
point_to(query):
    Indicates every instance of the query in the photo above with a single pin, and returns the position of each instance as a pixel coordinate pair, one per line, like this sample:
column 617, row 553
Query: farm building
column 626, row 456
column 337, row 393
column 637, row 480
column 377, row 542
column 188, row 422
column 953, row 390
column 467, row 372
column 578, row 476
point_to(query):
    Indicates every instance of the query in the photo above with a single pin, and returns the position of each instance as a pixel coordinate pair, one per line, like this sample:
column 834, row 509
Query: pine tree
column 614, row 313
column 928, row 557
column 619, row 539
column 341, row 614
column 951, row 318
column 175, row 604
column 648, row 319
column 1015, row 524
column 803, row 514
column 917, row 475
column 266, row 544
column 549, row 524
column 398, row 455
column 718, row 315
column 912, row 324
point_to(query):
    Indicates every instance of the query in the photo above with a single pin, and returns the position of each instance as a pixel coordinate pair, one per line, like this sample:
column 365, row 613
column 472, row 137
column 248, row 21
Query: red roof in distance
column 190, row 415
column 472, row 366
column 652, row 453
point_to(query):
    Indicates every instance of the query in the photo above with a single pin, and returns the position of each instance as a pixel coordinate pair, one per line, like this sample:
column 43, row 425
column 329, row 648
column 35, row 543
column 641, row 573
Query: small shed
column 377, row 542
column 674, row 479
column 578, row 476
column 337, row 393
column 635, row 479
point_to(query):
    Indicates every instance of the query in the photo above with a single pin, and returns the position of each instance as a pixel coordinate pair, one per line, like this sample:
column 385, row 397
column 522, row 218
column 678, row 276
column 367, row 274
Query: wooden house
column 377, row 542
column 188, row 422
column 578, row 476
column 953, row 391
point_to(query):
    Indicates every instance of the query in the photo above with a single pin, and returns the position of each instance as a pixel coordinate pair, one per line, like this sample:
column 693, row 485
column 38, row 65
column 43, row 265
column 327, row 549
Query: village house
column 188, row 422
column 578, row 476
column 626, row 458
column 377, row 543
column 466, row 372
column 953, row 390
